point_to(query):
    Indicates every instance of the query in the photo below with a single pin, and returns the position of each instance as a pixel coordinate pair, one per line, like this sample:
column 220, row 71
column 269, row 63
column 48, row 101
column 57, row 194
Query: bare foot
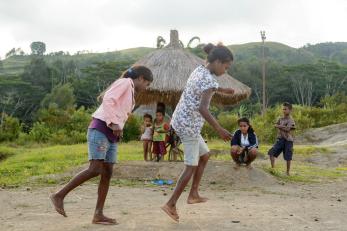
column 248, row 166
column 171, row 212
column 103, row 220
column 58, row 204
column 237, row 166
column 192, row 200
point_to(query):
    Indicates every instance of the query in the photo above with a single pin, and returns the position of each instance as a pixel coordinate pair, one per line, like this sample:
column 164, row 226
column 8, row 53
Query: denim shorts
column 100, row 148
column 194, row 148
column 282, row 145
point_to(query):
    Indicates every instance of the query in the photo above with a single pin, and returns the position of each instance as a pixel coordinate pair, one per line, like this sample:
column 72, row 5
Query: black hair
column 288, row 105
column 246, row 120
column 219, row 52
column 137, row 71
column 161, row 107
column 161, row 111
column 133, row 73
column 147, row 116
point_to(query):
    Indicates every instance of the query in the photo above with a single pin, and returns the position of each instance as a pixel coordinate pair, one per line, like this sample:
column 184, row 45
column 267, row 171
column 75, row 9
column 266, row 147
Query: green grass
column 27, row 163
column 305, row 173
column 39, row 164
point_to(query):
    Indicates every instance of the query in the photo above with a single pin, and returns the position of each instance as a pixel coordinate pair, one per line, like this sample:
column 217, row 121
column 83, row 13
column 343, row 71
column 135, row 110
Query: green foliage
column 38, row 48
column 132, row 129
column 40, row 132
column 226, row 120
column 59, row 126
column 9, row 128
column 62, row 97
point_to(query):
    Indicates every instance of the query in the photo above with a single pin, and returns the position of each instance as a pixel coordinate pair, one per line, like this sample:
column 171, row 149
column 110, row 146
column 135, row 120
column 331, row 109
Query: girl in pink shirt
column 103, row 133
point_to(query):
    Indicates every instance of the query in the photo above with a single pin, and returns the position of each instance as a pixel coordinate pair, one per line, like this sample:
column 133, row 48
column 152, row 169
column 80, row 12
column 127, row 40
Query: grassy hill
column 274, row 51
column 248, row 52
column 14, row 65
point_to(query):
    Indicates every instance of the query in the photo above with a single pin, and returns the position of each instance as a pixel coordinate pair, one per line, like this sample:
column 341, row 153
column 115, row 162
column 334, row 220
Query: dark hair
column 161, row 107
column 219, row 52
column 133, row 73
column 246, row 120
column 161, row 111
column 137, row 71
column 147, row 116
column 288, row 105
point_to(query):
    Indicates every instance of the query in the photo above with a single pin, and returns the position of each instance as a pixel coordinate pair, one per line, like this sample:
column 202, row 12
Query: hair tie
column 130, row 70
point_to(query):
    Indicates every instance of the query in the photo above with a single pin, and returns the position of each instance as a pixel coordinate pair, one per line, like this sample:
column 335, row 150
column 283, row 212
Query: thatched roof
column 171, row 67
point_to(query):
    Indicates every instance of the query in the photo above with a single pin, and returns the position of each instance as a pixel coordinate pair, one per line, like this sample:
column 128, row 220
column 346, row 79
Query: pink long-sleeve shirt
column 117, row 103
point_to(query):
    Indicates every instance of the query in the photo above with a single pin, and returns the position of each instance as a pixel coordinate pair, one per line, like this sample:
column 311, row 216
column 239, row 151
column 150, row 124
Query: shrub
column 9, row 128
column 132, row 129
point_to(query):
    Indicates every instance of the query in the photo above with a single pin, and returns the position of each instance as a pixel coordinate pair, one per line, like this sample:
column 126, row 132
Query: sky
column 109, row 25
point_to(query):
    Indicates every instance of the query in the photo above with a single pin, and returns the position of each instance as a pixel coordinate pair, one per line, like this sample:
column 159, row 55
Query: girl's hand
column 117, row 131
column 224, row 134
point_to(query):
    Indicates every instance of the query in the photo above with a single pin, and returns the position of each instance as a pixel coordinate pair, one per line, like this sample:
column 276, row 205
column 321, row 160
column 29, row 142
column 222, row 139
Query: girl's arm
column 203, row 109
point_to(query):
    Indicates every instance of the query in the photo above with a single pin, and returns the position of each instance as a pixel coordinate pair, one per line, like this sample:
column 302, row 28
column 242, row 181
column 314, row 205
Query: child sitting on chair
column 244, row 144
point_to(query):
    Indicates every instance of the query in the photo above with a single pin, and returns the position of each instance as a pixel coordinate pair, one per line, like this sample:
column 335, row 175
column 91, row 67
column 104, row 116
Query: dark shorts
column 159, row 148
column 282, row 145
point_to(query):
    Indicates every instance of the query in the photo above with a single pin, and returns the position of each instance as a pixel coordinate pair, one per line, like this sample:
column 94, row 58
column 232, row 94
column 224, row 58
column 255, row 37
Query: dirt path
column 279, row 207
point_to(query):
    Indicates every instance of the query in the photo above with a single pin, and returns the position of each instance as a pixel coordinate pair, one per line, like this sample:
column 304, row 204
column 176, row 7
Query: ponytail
column 219, row 52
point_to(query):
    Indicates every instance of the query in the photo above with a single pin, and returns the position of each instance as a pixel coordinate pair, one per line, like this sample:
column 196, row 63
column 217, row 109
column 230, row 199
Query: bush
column 40, row 132
column 9, row 128
column 132, row 128
column 226, row 120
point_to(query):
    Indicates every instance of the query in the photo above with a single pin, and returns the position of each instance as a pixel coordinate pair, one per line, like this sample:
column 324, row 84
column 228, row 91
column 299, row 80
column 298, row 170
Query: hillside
column 14, row 65
column 274, row 51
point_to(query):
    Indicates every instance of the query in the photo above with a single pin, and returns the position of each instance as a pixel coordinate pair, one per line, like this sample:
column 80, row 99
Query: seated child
column 147, row 136
column 244, row 144
column 159, row 136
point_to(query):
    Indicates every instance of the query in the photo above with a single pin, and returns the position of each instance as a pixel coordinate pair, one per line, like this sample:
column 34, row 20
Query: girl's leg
column 104, row 184
column 234, row 154
column 170, row 206
column 94, row 169
column 150, row 150
column 145, row 150
column 252, row 154
column 194, row 196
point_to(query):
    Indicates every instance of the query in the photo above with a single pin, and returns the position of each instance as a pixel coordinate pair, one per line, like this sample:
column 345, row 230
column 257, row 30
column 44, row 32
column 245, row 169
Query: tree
column 11, row 53
column 303, row 89
column 38, row 74
column 61, row 96
column 38, row 48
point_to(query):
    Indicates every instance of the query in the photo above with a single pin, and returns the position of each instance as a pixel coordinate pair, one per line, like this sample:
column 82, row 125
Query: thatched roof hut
column 171, row 67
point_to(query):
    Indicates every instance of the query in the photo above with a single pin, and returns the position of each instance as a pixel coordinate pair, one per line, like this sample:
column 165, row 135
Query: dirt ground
column 247, row 200
column 272, row 206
